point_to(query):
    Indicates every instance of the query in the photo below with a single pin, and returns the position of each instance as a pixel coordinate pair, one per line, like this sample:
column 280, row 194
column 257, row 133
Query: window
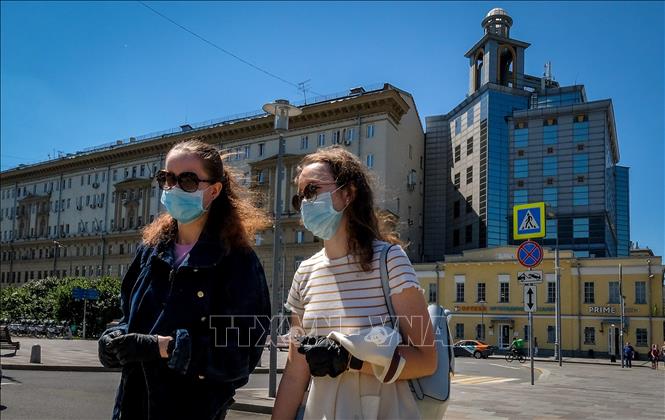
column 459, row 330
column 640, row 292
column 370, row 131
column 641, row 337
column 370, row 160
column 457, row 180
column 469, row 117
column 580, row 128
column 581, row 227
column 550, row 196
column 459, row 288
column 521, row 168
column 549, row 166
column 248, row 150
column 589, row 292
column 458, row 125
column 456, row 209
column 304, row 142
column 526, row 332
column 410, row 152
column 262, row 148
column 551, row 226
column 480, row 292
column 589, row 335
column 521, row 136
column 258, row 239
column 350, row 135
column 614, row 292
column 551, row 334
column 300, row 236
column 335, row 137
column 469, row 175
column 322, row 139
column 468, row 234
column 581, row 196
column 550, row 131
column 458, row 153
column 504, row 292
column 581, row 163
column 456, row 237
column 432, row 295
column 520, row 197
column 469, row 204
column 469, row 147
column 551, row 292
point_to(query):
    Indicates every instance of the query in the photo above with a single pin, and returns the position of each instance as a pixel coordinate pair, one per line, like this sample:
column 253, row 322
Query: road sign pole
column 531, row 344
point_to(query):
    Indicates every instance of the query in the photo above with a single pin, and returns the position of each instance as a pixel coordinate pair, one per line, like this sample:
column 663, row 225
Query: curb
column 251, row 408
column 59, row 368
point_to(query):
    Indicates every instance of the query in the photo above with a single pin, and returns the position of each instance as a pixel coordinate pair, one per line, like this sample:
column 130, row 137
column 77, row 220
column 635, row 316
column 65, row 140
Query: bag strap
column 385, row 283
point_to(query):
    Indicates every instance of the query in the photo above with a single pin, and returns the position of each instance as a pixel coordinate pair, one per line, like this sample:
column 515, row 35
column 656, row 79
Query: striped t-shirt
column 337, row 295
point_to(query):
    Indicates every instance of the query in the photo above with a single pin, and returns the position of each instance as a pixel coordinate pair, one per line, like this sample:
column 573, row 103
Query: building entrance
column 504, row 336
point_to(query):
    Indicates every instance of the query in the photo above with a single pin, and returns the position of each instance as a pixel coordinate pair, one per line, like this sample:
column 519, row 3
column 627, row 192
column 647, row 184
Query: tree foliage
column 51, row 298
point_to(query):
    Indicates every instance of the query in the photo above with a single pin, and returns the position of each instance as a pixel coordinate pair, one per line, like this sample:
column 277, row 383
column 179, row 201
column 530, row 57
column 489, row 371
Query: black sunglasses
column 309, row 193
column 188, row 181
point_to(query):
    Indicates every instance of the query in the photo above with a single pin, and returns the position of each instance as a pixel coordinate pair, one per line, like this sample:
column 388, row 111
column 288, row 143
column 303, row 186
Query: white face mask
column 320, row 217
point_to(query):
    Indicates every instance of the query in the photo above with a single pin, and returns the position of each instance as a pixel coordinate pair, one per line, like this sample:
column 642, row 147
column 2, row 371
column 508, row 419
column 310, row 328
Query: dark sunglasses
column 188, row 181
column 309, row 193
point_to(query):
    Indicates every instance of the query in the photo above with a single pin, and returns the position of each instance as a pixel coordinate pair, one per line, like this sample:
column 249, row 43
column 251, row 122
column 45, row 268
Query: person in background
column 654, row 356
column 628, row 353
column 535, row 346
column 194, row 273
column 359, row 364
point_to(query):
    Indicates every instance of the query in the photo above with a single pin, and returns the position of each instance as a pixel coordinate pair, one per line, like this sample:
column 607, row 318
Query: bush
column 51, row 298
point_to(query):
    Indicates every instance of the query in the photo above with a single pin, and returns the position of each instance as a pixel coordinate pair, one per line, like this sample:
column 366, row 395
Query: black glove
column 324, row 356
column 135, row 347
column 106, row 355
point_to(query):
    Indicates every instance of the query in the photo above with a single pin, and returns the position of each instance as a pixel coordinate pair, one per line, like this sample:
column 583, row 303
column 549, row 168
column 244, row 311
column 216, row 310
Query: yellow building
column 481, row 287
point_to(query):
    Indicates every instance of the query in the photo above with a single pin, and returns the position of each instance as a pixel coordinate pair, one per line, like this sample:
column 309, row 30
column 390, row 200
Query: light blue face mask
column 320, row 217
column 183, row 206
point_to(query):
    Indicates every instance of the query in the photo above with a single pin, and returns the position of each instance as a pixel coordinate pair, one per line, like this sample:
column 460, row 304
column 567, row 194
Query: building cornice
column 387, row 100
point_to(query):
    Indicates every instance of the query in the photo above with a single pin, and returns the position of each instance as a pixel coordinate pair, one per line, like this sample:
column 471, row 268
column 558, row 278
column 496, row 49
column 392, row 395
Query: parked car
column 473, row 348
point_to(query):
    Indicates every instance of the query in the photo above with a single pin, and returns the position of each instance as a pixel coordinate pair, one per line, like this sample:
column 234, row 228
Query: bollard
column 36, row 354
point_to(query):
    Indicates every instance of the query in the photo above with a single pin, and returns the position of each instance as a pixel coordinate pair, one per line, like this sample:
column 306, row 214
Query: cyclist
column 517, row 346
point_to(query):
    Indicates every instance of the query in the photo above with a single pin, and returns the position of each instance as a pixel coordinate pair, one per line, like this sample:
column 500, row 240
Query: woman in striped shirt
column 338, row 292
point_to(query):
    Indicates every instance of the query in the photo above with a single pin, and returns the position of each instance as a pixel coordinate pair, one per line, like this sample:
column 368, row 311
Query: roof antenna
column 304, row 87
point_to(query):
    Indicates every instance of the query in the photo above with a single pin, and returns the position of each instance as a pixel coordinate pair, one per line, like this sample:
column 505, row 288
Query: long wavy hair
column 232, row 215
column 365, row 223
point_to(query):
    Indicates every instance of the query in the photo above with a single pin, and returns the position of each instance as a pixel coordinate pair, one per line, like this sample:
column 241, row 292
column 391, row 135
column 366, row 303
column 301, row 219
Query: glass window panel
column 581, row 195
column 549, row 166
column 581, row 163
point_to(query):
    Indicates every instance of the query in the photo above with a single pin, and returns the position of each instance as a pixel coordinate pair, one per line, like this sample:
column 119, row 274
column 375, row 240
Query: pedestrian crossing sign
column 529, row 221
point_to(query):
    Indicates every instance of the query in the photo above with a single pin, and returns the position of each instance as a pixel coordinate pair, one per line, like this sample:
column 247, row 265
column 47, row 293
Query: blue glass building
column 516, row 139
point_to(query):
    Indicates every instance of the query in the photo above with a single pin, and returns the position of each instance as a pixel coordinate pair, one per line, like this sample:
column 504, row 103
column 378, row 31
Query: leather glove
column 106, row 355
column 324, row 356
column 135, row 347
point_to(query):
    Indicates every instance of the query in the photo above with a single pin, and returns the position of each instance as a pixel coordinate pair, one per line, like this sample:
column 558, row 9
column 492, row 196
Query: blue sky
column 79, row 74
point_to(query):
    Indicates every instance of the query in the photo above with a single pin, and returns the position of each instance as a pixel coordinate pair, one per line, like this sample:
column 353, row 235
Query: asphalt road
column 32, row 394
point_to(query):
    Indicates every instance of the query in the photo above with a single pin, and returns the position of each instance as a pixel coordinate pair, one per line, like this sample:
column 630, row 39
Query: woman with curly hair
column 194, row 274
column 357, row 362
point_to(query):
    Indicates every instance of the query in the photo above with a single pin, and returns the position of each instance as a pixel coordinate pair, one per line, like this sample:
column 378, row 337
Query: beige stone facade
column 81, row 214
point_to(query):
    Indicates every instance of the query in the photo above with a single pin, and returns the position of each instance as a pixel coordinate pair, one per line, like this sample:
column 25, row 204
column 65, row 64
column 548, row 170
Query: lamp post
column 56, row 248
column 282, row 110
column 482, row 318
column 557, row 285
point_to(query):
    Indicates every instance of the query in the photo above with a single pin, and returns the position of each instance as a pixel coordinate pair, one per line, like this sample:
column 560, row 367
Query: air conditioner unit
column 79, row 207
column 347, row 142
column 410, row 222
column 95, row 185
column 93, row 205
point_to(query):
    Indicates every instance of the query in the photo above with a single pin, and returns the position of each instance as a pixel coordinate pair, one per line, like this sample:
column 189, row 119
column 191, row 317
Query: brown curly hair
column 365, row 222
column 232, row 214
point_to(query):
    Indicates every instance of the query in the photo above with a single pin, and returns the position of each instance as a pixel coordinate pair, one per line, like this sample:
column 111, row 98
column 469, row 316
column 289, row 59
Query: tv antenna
column 304, row 87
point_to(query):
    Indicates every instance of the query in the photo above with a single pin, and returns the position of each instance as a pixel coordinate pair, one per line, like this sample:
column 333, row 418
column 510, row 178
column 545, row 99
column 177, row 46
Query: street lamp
column 557, row 306
column 482, row 318
column 282, row 110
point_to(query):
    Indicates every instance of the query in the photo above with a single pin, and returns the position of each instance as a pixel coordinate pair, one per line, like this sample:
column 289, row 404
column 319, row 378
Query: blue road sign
column 530, row 254
column 529, row 221
column 78, row 293
column 91, row 294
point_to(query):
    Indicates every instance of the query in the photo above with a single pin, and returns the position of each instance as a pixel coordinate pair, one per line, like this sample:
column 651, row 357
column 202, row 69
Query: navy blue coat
column 196, row 303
